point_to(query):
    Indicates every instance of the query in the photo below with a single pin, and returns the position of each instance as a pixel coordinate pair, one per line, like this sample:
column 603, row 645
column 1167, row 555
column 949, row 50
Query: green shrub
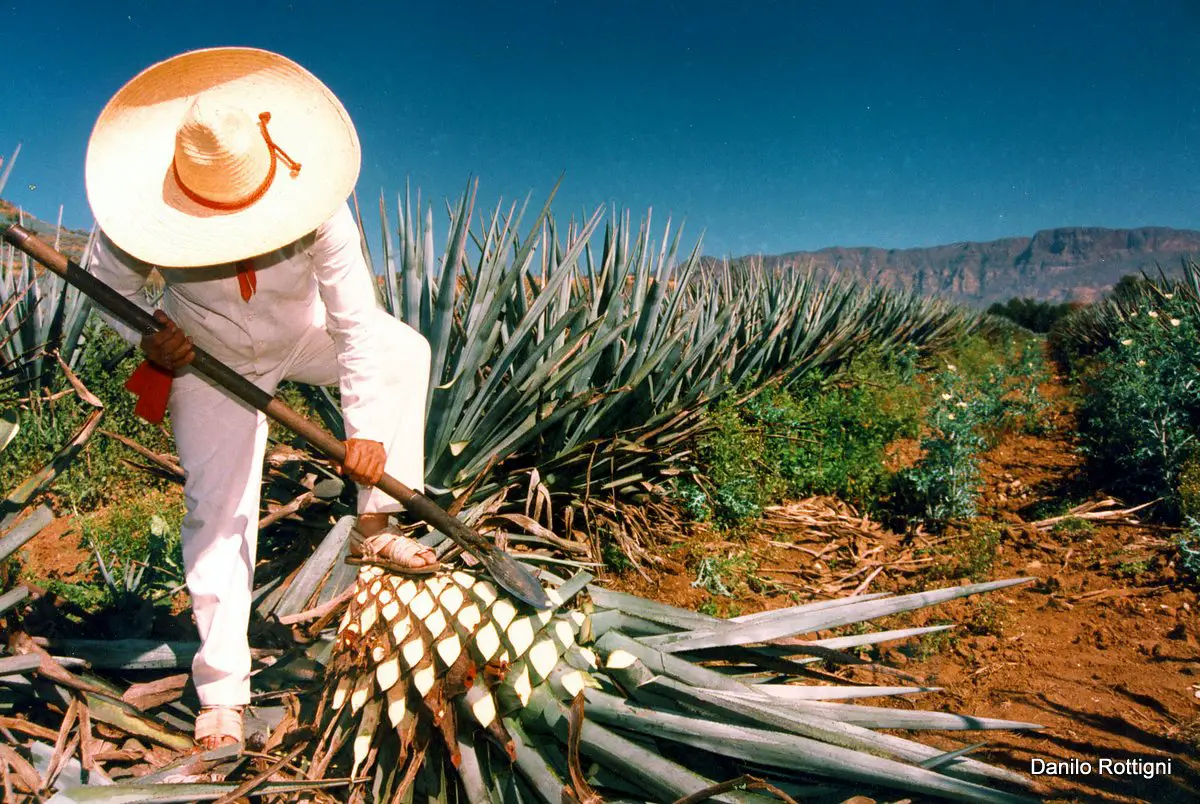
column 1140, row 410
column 1188, row 545
column 1028, row 407
column 987, row 618
column 86, row 596
column 732, row 457
column 1036, row 316
column 987, row 386
column 976, row 356
column 981, row 550
column 1132, row 569
column 689, row 495
column 824, row 436
column 723, row 576
column 1073, row 527
column 99, row 474
column 837, row 436
column 829, row 436
column 1189, row 486
column 1001, row 375
column 943, row 485
column 141, row 525
column 137, row 548
column 937, row 642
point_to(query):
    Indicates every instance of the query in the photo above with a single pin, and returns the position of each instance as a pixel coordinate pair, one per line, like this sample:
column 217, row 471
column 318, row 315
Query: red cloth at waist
column 151, row 384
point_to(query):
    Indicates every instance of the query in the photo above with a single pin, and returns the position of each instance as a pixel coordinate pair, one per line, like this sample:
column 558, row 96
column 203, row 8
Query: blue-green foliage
column 41, row 319
column 1188, row 544
column 137, row 549
column 1141, row 403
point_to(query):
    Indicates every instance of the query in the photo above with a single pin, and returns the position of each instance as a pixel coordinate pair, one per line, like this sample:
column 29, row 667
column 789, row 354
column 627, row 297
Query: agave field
column 594, row 385
column 589, row 368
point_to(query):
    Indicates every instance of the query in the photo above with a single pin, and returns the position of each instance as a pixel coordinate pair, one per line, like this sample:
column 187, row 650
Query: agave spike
column 39, row 316
column 834, row 693
column 542, row 346
column 387, row 672
column 365, row 735
column 358, row 695
column 397, row 706
column 413, row 652
column 787, row 622
column 449, row 649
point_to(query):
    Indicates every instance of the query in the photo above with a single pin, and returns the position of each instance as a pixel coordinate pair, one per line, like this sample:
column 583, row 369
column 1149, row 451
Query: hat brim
column 131, row 186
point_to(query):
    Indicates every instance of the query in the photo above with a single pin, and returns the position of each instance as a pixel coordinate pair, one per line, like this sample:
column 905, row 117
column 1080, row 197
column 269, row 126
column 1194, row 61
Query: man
column 229, row 170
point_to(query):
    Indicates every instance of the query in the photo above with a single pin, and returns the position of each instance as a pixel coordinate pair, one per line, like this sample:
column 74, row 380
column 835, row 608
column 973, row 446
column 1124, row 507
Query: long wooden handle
column 504, row 568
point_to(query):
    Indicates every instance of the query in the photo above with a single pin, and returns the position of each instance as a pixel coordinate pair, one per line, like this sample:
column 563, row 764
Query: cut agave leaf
column 827, row 692
column 788, row 752
column 663, row 778
column 835, row 732
column 790, row 622
column 875, row 717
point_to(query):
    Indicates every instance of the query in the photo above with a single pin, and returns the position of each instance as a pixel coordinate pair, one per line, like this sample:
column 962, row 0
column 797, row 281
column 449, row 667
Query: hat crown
column 196, row 160
column 220, row 152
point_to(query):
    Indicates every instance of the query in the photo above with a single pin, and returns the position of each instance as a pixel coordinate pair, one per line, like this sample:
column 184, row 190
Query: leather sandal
column 219, row 721
column 390, row 549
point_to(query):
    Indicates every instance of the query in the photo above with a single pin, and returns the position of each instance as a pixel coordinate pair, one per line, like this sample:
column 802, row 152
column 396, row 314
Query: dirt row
column 1102, row 649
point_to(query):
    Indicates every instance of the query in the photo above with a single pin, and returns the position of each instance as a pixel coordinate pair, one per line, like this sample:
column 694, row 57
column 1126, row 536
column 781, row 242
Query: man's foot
column 389, row 546
column 217, row 726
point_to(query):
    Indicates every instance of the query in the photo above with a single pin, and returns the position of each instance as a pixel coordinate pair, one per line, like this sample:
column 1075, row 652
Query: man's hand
column 169, row 347
column 364, row 461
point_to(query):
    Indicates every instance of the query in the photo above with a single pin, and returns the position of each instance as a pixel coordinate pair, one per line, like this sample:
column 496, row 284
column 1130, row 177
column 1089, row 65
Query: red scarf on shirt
column 151, row 383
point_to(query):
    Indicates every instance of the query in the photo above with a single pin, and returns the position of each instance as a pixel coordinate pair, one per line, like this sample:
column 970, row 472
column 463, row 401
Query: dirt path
column 1102, row 650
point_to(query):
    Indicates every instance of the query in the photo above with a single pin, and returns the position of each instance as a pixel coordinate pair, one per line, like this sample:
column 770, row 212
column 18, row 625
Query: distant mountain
column 1072, row 263
column 1075, row 263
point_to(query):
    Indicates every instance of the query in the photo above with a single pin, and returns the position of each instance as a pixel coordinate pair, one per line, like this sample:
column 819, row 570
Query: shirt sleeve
column 344, row 281
column 123, row 273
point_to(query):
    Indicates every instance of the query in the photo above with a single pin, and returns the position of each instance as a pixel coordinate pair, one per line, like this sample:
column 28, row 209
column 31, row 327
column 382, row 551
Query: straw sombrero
column 185, row 169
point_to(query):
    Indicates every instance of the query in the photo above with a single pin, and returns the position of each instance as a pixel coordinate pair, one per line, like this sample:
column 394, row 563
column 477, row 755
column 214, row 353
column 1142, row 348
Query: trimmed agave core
column 445, row 683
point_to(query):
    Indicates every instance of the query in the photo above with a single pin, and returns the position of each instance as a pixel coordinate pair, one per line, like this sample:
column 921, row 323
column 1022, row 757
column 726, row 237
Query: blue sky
column 772, row 126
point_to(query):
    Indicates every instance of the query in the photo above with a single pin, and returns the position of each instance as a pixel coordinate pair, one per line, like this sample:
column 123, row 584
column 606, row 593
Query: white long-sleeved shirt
column 320, row 280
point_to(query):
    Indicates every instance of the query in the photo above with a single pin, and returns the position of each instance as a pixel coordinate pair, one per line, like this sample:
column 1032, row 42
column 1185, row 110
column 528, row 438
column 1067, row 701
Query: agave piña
column 444, row 688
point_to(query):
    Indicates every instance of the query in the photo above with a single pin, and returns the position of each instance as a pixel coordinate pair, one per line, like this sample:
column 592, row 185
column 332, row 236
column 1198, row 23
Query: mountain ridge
column 1063, row 264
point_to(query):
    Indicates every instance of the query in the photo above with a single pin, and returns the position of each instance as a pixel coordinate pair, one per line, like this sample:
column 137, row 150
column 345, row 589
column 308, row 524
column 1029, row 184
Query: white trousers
column 221, row 443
